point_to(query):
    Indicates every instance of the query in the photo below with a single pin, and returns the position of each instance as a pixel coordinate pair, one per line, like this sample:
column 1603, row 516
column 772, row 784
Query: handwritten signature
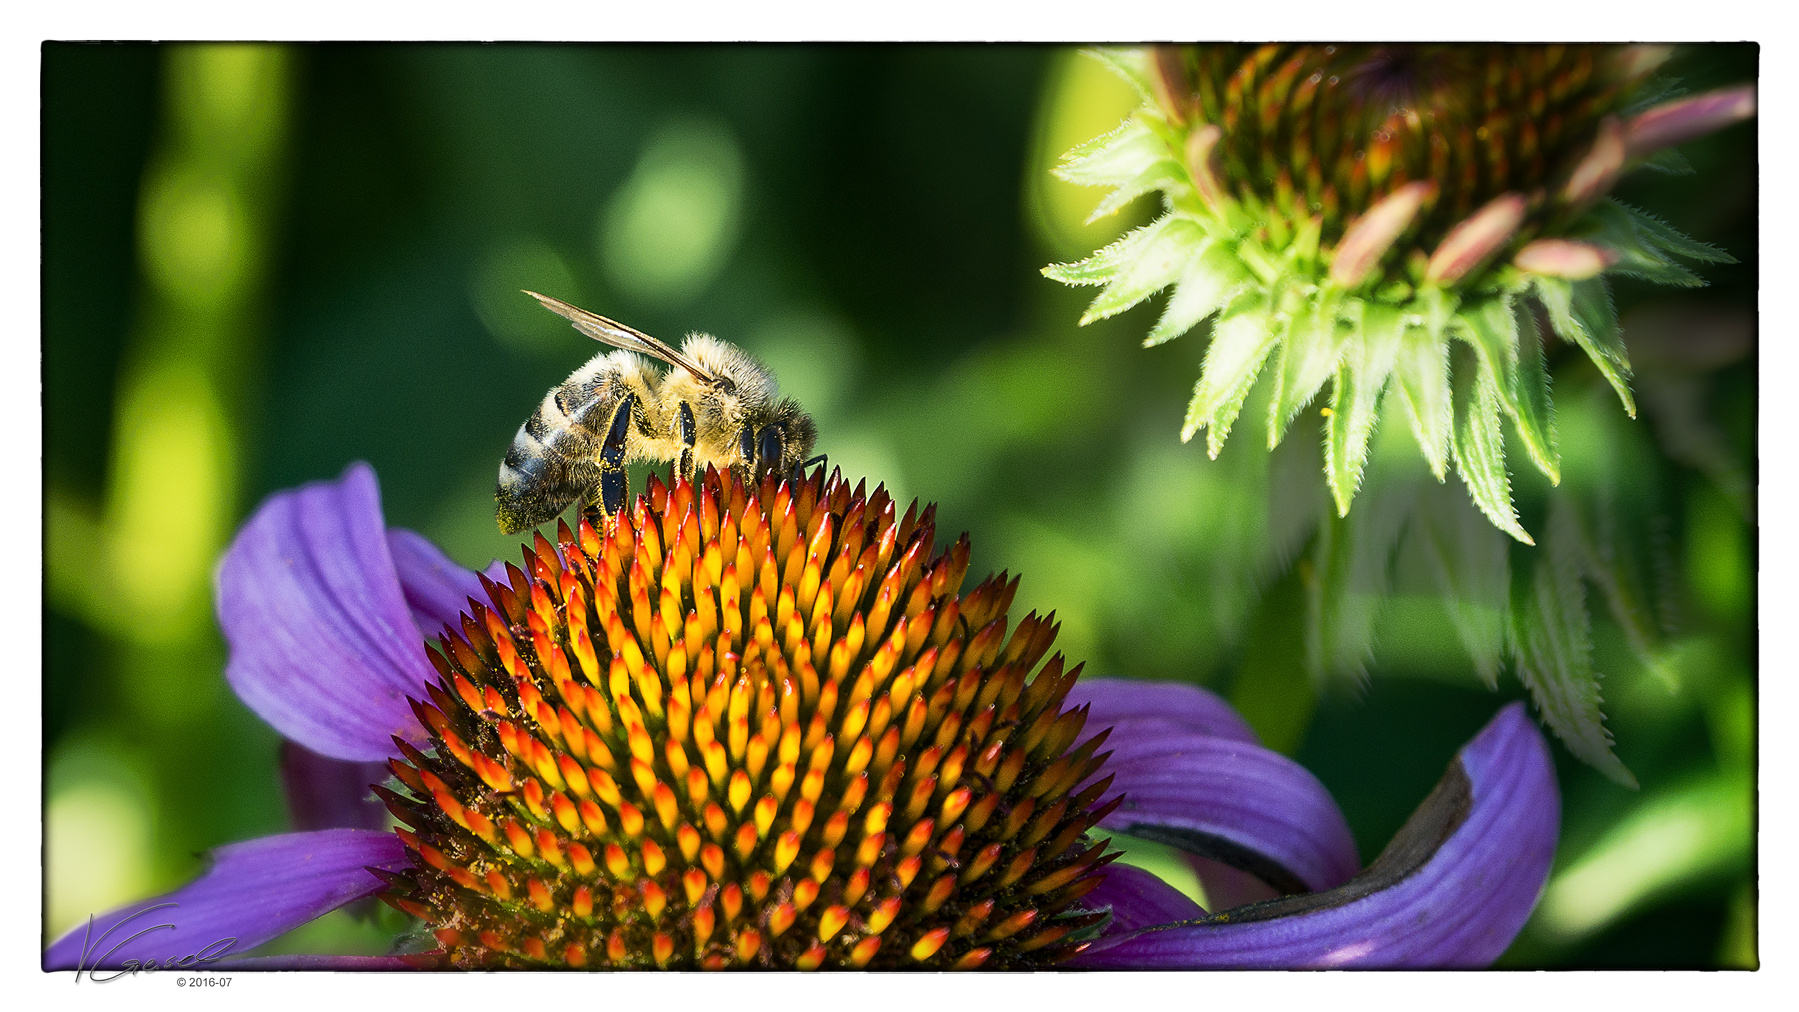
column 90, row 945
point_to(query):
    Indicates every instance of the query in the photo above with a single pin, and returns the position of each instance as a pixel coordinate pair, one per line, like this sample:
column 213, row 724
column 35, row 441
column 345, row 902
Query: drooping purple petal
column 252, row 892
column 1452, row 889
column 436, row 588
column 323, row 645
column 1232, row 801
column 326, row 793
column 1139, row 900
column 1195, row 776
column 1118, row 699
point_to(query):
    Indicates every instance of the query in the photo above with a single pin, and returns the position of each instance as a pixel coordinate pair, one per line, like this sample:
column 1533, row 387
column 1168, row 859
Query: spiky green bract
column 1555, row 648
column 1526, row 610
column 1390, row 220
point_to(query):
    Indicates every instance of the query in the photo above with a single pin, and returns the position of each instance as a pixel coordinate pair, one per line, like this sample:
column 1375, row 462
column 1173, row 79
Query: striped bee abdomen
column 554, row 458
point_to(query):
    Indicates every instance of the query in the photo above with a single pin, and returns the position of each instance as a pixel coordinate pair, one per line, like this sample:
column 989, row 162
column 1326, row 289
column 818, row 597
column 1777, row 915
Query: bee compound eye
column 769, row 448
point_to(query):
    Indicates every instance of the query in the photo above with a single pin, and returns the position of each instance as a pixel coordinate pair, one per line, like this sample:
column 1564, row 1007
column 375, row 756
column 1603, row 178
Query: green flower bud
column 1389, row 218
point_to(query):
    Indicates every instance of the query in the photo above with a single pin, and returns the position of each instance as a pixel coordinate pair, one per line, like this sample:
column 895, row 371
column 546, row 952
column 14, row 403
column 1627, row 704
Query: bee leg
column 797, row 473
column 614, row 486
column 689, row 434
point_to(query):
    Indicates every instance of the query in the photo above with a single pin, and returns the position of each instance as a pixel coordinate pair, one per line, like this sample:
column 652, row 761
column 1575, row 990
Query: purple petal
column 1452, row 889
column 1595, row 173
column 326, row 793
column 1680, row 121
column 1564, row 258
column 252, row 892
column 1231, row 801
column 1139, row 900
column 323, row 645
column 1195, row 776
column 1200, row 710
column 1475, row 238
column 436, row 588
column 309, row 962
column 1373, row 233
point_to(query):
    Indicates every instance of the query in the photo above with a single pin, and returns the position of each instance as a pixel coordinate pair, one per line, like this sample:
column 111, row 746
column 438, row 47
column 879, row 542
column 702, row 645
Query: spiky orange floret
column 749, row 726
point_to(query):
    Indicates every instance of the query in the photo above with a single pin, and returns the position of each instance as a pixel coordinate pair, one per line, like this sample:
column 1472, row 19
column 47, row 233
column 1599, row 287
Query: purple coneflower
column 761, row 727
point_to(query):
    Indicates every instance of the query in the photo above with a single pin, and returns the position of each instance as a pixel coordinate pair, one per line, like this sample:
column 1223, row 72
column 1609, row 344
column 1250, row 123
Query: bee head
column 777, row 440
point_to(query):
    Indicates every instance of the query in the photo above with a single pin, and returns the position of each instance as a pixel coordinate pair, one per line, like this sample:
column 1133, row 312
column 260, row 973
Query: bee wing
column 619, row 335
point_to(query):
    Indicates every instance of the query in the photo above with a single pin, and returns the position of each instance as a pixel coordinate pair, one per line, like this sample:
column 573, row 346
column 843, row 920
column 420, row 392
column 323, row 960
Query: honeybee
column 716, row 404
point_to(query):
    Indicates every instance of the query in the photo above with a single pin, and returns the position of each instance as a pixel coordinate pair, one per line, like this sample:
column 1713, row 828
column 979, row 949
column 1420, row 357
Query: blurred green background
column 262, row 263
